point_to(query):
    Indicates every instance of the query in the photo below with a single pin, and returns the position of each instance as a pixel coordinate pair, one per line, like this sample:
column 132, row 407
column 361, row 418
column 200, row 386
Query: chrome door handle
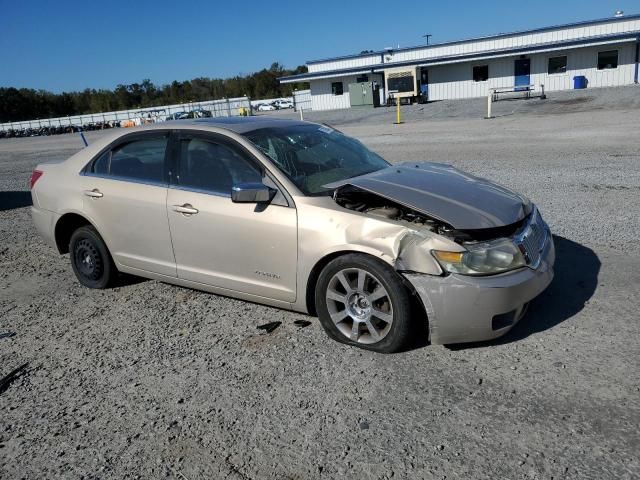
column 95, row 193
column 187, row 209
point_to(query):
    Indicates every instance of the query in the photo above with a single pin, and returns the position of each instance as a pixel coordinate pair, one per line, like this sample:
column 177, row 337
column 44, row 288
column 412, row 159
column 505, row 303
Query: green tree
column 29, row 104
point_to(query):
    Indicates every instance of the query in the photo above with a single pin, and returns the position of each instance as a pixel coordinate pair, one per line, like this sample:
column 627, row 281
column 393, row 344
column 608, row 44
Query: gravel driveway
column 149, row 380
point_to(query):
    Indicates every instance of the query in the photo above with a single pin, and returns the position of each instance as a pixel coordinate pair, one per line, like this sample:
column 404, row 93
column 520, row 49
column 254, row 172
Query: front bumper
column 470, row 309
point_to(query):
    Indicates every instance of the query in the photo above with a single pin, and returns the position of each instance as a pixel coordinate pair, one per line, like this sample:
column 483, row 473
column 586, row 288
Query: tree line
column 29, row 104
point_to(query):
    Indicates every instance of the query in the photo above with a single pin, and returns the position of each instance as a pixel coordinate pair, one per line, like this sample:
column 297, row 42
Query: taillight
column 35, row 176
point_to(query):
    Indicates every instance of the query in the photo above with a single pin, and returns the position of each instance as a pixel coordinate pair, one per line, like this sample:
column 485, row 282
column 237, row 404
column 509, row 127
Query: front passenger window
column 214, row 167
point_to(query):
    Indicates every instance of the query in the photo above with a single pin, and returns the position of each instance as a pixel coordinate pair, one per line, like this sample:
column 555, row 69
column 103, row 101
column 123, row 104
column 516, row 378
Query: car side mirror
column 252, row 193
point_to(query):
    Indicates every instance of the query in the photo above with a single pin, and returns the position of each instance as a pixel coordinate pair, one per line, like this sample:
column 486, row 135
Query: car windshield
column 315, row 155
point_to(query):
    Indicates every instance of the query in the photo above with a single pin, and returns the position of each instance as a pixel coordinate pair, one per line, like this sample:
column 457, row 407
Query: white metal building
column 605, row 51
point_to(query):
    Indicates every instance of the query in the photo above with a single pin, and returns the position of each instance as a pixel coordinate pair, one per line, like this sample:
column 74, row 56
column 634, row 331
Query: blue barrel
column 579, row 82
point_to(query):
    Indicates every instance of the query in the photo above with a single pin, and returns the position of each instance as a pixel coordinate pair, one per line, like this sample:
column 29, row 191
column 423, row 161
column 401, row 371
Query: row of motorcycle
column 46, row 130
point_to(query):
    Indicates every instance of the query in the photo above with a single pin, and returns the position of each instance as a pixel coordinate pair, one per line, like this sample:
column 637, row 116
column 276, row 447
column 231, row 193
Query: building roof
column 485, row 37
column 447, row 59
column 519, row 50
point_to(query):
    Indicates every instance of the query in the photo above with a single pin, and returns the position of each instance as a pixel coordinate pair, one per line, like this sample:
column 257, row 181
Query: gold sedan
column 299, row 216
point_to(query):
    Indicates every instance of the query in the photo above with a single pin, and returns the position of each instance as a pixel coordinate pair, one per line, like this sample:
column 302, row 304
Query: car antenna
column 86, row 144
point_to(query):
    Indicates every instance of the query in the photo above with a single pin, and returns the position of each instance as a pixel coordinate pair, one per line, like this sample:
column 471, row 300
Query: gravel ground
column 149, row 380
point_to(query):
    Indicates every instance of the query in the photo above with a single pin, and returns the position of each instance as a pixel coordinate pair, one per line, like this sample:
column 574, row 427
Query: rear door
column 522, row 73
column 124, row 193
column 244, row 247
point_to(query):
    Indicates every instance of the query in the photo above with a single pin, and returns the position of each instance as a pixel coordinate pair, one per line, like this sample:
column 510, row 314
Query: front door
column 522, row 73
column 124, row 193
column 244, row 247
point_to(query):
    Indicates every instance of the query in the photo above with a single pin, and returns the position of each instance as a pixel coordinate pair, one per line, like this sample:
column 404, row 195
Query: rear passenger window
column 139, row 160
column 136, row 160
column 101, row 165
column 214, row 167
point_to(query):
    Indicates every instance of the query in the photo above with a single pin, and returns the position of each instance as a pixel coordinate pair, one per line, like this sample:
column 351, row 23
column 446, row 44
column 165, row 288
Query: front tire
column 361, row 301
column 90, row 259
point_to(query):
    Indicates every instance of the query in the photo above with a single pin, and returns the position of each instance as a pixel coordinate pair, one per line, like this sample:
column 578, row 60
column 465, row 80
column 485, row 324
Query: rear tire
column 90, row 259
column 361, row 301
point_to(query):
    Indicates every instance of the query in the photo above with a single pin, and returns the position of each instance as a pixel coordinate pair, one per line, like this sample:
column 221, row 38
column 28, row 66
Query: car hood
column 462, row 200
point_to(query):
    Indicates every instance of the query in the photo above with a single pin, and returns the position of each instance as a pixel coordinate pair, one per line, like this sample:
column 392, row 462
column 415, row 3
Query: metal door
column 356, row 94
column 367, row 94
column 243, row 247
column 236, row 246
column 128, row 207
column 522, row 73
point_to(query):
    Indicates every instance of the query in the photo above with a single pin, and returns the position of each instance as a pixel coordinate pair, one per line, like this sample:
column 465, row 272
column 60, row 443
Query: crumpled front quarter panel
column 325, row 228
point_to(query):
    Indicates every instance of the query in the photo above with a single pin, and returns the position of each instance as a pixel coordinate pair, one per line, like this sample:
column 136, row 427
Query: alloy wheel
column 359, row 305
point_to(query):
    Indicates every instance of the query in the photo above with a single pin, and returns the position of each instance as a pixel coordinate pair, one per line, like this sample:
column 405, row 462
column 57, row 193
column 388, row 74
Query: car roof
column 239, row 125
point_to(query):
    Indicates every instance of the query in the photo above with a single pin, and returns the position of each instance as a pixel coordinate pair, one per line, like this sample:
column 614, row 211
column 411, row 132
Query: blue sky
column 66, row 45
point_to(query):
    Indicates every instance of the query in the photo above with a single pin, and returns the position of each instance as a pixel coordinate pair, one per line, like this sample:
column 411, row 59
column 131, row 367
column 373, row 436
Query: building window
column 336, row 88
column 362, row 79
column 557, row 65
column 481, row 73
column 608, row 59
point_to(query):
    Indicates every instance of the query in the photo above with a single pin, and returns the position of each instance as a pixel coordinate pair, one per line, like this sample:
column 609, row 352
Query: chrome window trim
column 125, row 179
column 216, row 194
column 200, row 190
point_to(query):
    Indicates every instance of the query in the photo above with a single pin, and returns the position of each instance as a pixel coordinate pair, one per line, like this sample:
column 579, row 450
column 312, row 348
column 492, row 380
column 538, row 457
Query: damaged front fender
column 405, row 247
column 415, row 252
column 326, row 229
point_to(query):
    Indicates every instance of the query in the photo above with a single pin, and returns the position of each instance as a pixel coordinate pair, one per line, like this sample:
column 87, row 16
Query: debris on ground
column 269, row 327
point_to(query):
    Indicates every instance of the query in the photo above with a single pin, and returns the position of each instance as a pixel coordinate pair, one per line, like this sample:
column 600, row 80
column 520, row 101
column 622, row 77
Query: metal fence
column 302, row 100
column 226, row 107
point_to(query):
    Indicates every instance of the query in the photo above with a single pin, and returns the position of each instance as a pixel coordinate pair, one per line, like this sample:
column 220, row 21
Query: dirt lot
column 149, row 380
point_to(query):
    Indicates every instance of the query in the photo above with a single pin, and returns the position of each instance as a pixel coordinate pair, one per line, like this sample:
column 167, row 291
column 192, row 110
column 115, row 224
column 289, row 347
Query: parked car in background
column 199, row 114
column 283, row 104
column 178, row 116
column 266, row 107
column 299, row 216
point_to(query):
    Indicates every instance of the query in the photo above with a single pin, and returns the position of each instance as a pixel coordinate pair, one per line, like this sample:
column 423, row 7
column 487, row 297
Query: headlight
column 484, row 258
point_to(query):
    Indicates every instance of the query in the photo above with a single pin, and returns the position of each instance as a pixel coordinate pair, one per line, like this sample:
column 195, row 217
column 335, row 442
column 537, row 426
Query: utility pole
column 427, row 36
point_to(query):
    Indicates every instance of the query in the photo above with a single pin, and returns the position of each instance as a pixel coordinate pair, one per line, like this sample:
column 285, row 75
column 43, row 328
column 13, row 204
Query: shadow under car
column 12, row 200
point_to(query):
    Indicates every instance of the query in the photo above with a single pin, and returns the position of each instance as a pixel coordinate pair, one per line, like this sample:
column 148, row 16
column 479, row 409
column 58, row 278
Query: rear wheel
column 90, row 259
column 362, row 301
